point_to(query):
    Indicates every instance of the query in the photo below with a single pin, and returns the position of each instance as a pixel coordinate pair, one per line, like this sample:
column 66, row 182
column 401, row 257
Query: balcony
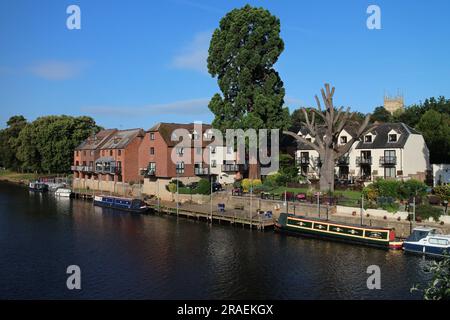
column 363, row 161
column 82, row 168
column 201, row 171
column 343, row 161
column 303, row 161
column 388, row 161
column 108, row 170
column 148, row 172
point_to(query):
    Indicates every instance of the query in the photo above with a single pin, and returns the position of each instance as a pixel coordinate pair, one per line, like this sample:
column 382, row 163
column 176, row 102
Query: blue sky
column 134, row 63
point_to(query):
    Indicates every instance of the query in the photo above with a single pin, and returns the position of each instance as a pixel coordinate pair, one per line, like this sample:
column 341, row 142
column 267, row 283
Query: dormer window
column 343, row 139
column 195, row 135
column 368, row 139
column 174, row 137
column 152, row 136
column 308, row 139
column 392, row 138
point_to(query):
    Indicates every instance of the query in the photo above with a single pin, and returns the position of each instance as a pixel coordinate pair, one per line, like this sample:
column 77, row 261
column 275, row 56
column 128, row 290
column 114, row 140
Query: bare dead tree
column 326, row 141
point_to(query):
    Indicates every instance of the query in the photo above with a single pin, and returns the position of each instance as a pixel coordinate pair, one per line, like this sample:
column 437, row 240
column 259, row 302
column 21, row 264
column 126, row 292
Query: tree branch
column 301, row 139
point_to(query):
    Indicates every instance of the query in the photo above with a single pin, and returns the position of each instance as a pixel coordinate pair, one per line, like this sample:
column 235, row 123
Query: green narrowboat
column 352, row 233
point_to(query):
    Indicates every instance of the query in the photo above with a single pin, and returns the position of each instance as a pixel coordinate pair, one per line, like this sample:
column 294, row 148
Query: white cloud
column 194, row 55
column 57, row 70
column 191, row 107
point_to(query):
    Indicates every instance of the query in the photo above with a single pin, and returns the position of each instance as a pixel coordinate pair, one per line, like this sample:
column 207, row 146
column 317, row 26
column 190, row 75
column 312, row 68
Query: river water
column 130, row 256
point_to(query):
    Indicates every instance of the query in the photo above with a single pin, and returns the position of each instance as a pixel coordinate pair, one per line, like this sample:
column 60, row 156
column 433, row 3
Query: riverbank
column 18, row 178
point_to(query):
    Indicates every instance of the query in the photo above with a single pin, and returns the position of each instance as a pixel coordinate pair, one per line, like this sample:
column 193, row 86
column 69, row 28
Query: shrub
column 390, row 207
column 387, row 188
column 412, row 187
column 442, row 191
column 426, row 211
column 271, row 181
column 247, row 183
column 203, row 187
column 180, row 183
column 370, row 192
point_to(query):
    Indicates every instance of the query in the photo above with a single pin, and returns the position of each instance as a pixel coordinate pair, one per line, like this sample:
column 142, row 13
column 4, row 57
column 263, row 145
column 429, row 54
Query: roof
column 166, row 129
column 381, row 132
column 97, row 140
column 351, row 128
column 121, row 138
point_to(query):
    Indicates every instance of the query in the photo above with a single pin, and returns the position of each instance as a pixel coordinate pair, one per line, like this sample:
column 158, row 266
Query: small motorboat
column 63, row 192
column 38, row 186
column 53, row 187
column 427, row 241
column 126, row 204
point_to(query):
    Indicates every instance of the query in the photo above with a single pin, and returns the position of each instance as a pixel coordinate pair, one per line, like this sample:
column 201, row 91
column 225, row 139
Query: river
column 128, row 256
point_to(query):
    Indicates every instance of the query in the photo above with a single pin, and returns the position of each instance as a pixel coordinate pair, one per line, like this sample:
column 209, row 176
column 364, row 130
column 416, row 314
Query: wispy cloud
column 191, row 107
column 57, row 69
column 194, row 55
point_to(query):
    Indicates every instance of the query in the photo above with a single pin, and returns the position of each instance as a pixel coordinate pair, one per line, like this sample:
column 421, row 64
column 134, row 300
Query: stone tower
column 393, row 104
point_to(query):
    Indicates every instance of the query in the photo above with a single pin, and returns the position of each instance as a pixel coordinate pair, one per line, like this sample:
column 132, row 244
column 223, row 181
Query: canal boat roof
column 355, row 225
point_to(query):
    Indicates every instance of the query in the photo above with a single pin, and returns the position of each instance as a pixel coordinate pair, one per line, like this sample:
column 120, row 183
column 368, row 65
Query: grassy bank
column 17, row 177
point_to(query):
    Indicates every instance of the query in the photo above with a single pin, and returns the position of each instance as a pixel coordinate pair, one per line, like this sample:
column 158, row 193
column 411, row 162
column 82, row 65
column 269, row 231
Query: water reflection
column 124, row 255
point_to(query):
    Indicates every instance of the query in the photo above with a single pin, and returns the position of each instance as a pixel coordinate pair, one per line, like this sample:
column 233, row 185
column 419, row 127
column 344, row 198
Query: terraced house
column 389, row 150
column 110, row 155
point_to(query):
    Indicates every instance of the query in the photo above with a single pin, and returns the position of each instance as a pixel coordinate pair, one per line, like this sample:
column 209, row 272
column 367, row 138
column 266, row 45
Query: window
column 174, row 137
column 92, row 152
column 195, row 135
column 120, row 152
column 152, row 167
column 442, row 242
column 213, row 150
column 152, row 150
column 392, row 138
column 152, row 136
column 368, row 139
column 389, row 172
column 110, row 153
column 198, row 150
column 213, row 163
column 343, row 139
column 179, row 151
column 179, row 168
column 77, row 153
column 308, row 139
column 229, row 150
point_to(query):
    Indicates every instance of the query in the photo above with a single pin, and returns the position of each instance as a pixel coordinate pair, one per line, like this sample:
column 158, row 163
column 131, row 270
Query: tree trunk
column 254, row 171
column 327, row 173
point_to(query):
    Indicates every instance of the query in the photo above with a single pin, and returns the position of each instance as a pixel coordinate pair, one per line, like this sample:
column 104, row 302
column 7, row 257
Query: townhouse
column 110, row 155
column 389, row 150
column 186, row 152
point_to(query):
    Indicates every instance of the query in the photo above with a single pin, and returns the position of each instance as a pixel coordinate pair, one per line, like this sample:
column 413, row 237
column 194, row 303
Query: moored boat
column 352, row 233
column 63, row 192
column 38, row 186
column 126, row 204
column 427, row 241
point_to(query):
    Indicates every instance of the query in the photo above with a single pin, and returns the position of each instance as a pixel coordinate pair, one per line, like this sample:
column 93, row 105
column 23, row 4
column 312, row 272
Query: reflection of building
column 390, row 150
column 393, row 104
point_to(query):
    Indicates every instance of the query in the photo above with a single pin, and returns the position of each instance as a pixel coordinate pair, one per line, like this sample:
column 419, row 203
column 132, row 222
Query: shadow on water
column 124, row 255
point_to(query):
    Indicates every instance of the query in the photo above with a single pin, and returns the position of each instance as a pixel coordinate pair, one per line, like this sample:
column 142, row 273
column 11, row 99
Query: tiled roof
column 381, row 132
column 121, row 139
column 96, row 141
column 166, row 129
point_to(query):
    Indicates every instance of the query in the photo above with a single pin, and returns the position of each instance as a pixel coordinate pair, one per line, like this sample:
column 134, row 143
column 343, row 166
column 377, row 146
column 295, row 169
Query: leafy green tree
column 439, row 286
column 435, row 128
column 380, row 114
column 47, row 144
column 9, row 142
column 242, row 53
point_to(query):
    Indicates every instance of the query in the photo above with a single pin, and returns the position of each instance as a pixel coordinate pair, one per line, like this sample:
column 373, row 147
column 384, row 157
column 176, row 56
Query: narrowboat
column 427, row 241
column 126, row 204
column 38, row 186
column 352, row 233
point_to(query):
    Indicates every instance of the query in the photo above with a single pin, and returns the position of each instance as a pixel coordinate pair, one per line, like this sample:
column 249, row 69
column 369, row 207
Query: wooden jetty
column 201, row 212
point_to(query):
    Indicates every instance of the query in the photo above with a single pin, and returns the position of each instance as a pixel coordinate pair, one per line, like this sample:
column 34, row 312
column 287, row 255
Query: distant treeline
column 45, row 145
column 431, row 118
